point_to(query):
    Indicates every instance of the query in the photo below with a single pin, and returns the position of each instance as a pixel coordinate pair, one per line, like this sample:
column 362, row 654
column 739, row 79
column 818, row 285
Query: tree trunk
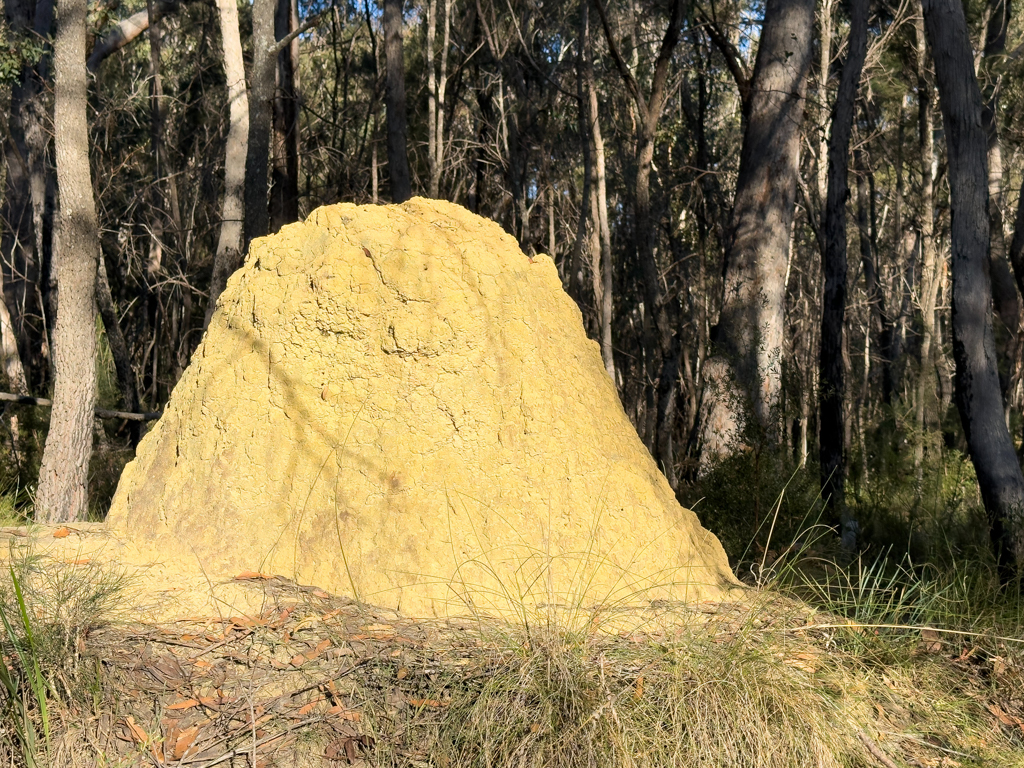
column 63, row 476
column 1004, row 292
column 661, row 348
column 157, row 214
column 398, row 153
column 977, row 380
column 118, row 349
column 929, row 283
column 228, row 257
column 825, row 23
column 832, row 390
column 27, row 202
column 284, row 190
column 745, row 374
column 601, row 222
column 586, row 119
column 261, row 96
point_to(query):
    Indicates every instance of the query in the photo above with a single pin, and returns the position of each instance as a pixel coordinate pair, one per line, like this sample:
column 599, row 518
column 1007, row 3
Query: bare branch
column 101, row 412
column 127, row 30
column 631, row 84
column 285, row 41
column 733, row 60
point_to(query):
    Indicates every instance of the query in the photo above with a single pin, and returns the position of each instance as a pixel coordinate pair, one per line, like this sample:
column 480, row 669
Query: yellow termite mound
column 394, row 403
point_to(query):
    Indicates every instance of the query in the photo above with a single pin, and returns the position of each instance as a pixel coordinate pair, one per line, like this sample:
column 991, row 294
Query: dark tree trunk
column 118, row 349
column 832, row 376
column 661, row 354
column 284, row 190
column 749, row 336
column 63, row 475
column 1004, row 291
column 261, row 96
column 398, row 153
column 575, row 281
column 977, row 379
column 28, row 203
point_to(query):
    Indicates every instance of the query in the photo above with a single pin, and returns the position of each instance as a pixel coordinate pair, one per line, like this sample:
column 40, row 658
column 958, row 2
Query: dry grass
column 320, row 681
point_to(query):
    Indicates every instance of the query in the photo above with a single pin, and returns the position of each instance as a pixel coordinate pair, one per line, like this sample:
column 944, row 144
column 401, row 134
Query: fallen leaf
column 402, row 673
column 321, row 594
column 638, row 689
column 343, row 713
column 1002, row 716
column 322, row 646
column 184, row 704
column 61, row 533
column 252, row 576
column 137, row 732
column 378, row 628
column 346, row 749
column 305, row 710
column 185, row 740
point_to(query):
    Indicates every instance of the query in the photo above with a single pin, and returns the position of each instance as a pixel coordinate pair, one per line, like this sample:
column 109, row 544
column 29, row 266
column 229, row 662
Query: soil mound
column 395, row 404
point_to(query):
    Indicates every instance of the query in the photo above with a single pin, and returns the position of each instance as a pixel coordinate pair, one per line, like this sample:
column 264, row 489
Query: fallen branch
column 103, row 413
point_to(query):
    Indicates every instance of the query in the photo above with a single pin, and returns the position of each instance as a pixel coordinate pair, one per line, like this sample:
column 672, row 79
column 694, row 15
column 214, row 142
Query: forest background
column 697, row 170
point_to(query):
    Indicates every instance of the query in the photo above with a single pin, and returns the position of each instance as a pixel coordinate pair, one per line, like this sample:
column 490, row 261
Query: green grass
column 46, row 609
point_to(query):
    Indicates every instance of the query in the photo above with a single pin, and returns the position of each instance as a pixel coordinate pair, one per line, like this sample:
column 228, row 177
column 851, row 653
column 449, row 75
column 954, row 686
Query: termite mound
column 394, row 403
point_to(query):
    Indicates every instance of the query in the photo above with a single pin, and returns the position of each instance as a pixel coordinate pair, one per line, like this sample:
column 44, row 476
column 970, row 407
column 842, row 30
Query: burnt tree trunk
column 398, row 153
column 833, row 386
column 261, row 96
column 284, row 190
column 977, row 378
column 118, row 350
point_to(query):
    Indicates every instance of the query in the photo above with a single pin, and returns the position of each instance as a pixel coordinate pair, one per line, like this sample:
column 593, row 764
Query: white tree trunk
column 229, row 244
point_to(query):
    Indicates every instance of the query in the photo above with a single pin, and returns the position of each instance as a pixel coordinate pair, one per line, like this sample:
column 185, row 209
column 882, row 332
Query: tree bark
column 28, row 199
column 659, row 335
column 398, row 153
column 63, row 476
column 284, row 190
column 118, row 348
column 929, row 282
column 1004, row 291
column 745, row 375
column 977, row 380
column 128, row 30
column 585, row 120
column 228, row 257
column 157, row 215
column 261, row 96
column 833, row 386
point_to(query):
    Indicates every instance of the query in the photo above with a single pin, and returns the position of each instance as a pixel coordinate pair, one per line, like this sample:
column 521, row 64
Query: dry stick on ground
column 103, row 413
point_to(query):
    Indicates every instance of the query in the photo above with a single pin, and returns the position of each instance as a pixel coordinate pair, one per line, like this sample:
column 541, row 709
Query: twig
column 103, row 413
column 876, row 750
